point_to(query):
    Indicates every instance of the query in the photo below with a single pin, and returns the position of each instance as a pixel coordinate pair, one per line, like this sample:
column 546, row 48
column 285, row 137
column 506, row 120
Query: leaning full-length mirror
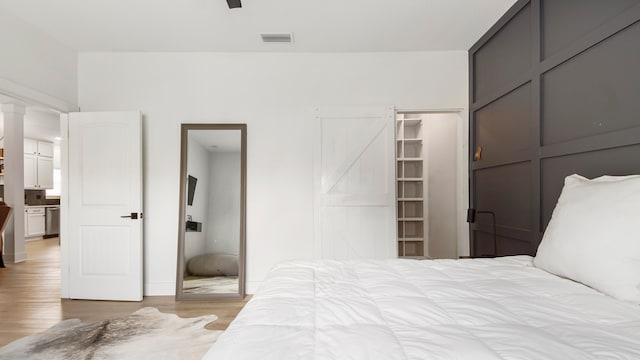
column 211, row 242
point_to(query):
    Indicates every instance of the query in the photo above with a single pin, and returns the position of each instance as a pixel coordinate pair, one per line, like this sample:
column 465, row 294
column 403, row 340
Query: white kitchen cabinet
column 38, row 147
column 30, row 172
column 45, row 172
column 34, row 222
column 38, row 164
column 45, row 149
column 30, row 146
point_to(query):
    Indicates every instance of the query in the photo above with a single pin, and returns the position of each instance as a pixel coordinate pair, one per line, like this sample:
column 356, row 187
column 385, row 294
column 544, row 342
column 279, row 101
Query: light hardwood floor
column 30, row 298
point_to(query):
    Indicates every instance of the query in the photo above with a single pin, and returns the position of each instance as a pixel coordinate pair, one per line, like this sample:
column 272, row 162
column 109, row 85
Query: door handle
column 132, row 216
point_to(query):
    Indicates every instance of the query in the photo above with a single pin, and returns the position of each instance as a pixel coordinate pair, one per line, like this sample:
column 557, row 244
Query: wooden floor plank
column 30, row 298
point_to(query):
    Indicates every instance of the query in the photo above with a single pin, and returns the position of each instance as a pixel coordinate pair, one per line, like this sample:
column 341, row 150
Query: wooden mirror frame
column 185, row 128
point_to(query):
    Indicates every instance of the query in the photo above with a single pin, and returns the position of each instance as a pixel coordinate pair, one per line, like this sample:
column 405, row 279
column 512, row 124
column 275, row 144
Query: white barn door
column 105, row 206
column 355, row 197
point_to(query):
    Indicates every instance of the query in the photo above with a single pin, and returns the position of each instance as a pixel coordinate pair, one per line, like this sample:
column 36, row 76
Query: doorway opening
column 428, row 154
column 30, row 134
column 42, row 183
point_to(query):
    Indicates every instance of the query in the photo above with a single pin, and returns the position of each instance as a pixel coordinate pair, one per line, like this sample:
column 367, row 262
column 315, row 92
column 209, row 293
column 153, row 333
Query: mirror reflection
column 211, row 260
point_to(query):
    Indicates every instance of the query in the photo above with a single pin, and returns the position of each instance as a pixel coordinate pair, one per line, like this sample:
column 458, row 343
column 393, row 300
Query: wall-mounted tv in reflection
column 191, row 189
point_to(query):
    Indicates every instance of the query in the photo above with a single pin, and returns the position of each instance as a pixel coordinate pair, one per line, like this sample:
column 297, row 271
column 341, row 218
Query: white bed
column 476, row 309
column 503, row 308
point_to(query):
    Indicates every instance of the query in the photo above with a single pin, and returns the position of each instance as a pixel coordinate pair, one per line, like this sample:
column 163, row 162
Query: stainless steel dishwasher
column 52, row 227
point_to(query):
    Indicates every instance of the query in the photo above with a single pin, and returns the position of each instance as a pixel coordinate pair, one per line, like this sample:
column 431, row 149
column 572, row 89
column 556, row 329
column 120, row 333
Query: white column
column 13, row 115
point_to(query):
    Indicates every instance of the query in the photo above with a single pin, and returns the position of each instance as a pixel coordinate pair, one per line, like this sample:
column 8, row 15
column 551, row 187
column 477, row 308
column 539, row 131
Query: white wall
column 34, row 60
column 197, row 166
column 440, row 132
column 275, row 94
column 223, row 224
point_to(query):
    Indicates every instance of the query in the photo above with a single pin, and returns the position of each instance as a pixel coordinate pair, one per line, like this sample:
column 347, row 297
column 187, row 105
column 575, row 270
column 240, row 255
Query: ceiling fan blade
column 234, row 4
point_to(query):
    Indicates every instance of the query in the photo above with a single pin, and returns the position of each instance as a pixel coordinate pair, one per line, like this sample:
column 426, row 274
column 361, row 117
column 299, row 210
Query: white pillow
column 594, row 235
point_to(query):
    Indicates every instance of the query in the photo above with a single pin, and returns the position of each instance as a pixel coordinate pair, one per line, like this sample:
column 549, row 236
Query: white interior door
column 105, row 206
column 354, row 161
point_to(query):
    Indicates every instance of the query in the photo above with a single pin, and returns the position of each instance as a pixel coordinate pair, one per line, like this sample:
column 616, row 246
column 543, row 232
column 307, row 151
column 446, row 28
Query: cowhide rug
column 145, row 334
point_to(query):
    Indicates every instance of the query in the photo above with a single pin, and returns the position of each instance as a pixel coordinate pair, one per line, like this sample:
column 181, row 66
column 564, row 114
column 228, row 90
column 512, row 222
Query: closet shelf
column 410, row 183
column 412, row 122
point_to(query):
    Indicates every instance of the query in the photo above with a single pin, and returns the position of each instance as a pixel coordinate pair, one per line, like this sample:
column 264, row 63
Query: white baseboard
column 33, row 239
column 15, row 258
column 169, row 288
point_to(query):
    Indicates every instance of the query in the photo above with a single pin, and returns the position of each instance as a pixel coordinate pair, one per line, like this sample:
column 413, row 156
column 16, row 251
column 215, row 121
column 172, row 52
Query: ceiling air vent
column 277, row 38
column 234, row 4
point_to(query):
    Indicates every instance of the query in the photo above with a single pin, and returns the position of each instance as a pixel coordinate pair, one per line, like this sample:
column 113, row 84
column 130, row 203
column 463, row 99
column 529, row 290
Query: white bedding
column 476, row 309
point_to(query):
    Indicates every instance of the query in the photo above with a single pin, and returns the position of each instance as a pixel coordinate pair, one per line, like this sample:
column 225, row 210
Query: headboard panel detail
column 554, row 90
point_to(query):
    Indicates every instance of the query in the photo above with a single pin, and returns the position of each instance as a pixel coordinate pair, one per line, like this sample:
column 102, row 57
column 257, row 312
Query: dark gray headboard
column 554, row 90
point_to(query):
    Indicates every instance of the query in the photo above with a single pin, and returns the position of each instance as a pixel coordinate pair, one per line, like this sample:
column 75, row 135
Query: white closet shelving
column 410, row 179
